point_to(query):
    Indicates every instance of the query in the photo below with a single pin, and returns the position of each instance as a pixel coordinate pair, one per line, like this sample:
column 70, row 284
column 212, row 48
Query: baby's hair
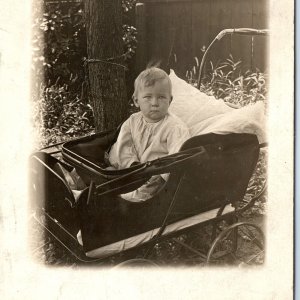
column 148, row 78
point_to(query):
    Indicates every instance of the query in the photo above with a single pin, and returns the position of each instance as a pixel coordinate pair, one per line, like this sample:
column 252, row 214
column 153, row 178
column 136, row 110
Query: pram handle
column 241, row 31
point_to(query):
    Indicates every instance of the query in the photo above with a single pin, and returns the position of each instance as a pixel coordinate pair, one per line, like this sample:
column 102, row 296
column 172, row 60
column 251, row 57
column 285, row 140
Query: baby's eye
column 147, row 97
column 161, row 97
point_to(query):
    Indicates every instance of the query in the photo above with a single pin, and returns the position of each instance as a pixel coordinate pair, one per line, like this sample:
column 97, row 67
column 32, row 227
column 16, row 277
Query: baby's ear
column 135, row 101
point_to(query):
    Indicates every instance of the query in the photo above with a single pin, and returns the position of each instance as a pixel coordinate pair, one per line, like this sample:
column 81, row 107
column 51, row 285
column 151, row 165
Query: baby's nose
column 154, row 101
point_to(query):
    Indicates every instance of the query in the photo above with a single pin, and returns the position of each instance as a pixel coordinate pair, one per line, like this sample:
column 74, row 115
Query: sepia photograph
column 159, row 138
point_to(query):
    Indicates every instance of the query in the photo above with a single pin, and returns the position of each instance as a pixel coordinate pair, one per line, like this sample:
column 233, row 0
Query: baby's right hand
column 110, row 168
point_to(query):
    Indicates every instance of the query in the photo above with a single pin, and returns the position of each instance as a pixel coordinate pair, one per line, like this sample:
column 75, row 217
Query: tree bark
column 105, row 70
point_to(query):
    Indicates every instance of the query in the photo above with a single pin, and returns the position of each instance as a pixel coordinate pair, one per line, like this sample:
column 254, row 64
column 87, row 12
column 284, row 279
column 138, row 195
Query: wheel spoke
column 254, row 238
column 241, row 244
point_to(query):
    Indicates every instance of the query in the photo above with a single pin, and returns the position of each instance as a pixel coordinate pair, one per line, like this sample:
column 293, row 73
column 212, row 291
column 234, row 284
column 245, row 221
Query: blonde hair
column 149, row 77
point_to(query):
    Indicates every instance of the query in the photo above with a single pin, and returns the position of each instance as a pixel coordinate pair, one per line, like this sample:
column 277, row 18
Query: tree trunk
column 105, row 62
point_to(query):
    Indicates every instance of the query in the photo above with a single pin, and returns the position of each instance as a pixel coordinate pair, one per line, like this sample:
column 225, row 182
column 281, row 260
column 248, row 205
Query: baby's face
column 154, row 101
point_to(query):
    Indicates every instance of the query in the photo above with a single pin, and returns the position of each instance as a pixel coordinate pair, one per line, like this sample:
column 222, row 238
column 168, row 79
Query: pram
column 207, row 183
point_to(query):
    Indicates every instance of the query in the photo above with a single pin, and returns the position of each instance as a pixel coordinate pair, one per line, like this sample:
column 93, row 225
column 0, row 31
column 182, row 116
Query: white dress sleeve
column 122, row 153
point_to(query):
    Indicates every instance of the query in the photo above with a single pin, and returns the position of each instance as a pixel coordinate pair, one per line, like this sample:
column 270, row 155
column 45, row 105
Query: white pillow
column 248, row 119
column 191, row 105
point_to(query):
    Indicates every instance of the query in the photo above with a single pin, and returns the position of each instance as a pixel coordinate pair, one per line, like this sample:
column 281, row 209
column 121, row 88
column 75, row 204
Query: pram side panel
column 221, row 180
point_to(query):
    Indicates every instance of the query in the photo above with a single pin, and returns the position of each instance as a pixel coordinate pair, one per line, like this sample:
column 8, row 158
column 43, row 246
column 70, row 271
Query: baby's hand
column 110, row 168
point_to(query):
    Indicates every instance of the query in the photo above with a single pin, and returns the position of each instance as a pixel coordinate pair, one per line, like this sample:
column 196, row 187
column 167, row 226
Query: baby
column 151, row 133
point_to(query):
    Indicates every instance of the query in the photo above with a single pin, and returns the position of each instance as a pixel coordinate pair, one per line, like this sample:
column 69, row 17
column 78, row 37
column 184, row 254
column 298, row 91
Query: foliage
column 128, row 5
column 60, row 114
column 226, row 80
column 130, row 41
column 59, row 40
column 256, row 184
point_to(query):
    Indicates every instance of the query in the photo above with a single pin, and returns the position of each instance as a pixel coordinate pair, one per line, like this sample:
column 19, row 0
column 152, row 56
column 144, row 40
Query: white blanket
column 205, row 114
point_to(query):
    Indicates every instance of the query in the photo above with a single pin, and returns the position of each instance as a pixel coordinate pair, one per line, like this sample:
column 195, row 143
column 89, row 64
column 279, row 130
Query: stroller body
column 208, row 178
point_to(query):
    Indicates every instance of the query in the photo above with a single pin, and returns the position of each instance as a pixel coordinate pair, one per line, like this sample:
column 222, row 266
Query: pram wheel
column 240, row 244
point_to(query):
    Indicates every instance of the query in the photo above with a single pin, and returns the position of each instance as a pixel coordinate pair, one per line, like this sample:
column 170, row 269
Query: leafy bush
column 128, row 5
column 60, row 114
column 59, row 40
column 130, row 41
column 227, row 81
column 256, row 184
